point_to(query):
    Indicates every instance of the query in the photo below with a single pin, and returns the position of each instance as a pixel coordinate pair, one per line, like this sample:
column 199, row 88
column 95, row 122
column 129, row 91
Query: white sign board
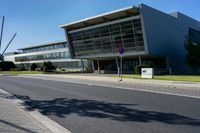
column 147, row 73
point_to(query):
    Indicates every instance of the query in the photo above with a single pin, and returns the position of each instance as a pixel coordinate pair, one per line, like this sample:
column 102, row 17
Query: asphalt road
column 92, row 109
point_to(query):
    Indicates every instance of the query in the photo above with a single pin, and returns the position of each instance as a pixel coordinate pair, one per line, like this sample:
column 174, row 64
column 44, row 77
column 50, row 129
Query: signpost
column 147, row 73
column 121, row 52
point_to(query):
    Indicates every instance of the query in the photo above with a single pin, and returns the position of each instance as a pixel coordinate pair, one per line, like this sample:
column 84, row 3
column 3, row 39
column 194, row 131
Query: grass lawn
column 21, row 72
column 192, row 78
column 35, row 72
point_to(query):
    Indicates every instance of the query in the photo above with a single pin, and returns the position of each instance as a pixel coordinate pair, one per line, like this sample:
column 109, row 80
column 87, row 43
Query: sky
column 37, row 21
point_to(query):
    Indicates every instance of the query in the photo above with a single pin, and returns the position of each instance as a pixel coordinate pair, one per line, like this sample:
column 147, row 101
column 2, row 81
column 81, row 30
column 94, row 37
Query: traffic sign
column 121, row 50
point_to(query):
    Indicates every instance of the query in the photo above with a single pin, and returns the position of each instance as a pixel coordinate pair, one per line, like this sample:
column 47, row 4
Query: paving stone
column 13, row 119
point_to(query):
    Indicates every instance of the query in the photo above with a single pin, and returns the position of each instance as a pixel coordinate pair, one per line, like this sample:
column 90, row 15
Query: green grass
column 191, row 78
column 36, row 72
column 21, row 72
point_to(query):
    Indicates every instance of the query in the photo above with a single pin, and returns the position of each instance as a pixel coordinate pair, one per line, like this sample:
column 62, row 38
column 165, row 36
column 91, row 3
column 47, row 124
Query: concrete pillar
column 140, row 60
column 83, row 67
column 168, row 65
column 98, row 67
column 93, row 65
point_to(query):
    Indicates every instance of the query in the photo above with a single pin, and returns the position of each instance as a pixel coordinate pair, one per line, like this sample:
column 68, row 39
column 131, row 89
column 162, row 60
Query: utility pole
column 1, row 35
column 121, row 68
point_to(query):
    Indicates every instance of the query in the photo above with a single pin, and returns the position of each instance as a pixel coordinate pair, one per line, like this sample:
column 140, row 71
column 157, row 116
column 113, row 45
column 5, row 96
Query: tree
column 48, row 66
column 89, row 68
column 193, row 54
column 34, row 66
column 7, row 65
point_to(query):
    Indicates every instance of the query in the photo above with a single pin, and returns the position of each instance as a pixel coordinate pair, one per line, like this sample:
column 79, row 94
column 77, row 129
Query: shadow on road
column 62, row 107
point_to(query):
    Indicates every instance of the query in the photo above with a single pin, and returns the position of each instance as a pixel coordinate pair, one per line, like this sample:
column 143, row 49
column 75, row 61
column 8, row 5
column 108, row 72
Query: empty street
column 83, row 108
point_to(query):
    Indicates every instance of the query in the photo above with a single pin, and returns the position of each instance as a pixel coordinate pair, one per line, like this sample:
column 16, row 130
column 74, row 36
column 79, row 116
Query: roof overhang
column 131, row 10
column 42, row 45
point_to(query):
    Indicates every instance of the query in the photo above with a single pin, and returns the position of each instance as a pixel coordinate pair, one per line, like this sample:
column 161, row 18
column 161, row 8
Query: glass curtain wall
column 108, row 39
column 59, row 55
column 44, row 48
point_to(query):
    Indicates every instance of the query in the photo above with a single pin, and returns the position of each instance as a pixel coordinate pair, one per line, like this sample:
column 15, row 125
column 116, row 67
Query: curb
column 53, row 126
column 126, row 80
column 156, row 82
column 178, row 84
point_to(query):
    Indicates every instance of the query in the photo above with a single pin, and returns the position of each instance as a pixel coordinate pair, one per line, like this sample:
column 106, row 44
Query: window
column 58, row 55
column 195, row 36
column 107, row 39
column 43, row 48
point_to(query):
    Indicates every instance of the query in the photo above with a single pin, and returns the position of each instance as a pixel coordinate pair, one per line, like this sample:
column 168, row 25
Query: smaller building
column 56, row 52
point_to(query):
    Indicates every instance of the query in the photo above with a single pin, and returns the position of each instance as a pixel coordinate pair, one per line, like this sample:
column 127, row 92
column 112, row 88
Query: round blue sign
column 121, row 50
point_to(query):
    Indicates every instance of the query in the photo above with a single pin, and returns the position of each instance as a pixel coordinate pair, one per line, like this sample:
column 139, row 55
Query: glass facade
column 194, row 36
column 108, row 38
column 128, row 65
column 44, row 48
column 58, row 55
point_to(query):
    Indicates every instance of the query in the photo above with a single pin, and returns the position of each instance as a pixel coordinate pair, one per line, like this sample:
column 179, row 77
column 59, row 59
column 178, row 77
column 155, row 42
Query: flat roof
column 11, row 53
column 42, row 45
column 131, row 10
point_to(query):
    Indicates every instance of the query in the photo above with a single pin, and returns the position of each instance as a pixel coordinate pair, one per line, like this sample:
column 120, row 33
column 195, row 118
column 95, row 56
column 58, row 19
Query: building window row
column 44, row 48
column 58, row 55
column 107, row 39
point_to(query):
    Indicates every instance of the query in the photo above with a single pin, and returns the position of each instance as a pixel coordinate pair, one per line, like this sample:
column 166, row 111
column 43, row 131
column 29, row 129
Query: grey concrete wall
column 165, row 34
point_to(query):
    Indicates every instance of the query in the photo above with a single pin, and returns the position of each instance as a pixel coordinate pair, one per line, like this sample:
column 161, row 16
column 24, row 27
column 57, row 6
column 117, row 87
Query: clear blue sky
column 38, row 21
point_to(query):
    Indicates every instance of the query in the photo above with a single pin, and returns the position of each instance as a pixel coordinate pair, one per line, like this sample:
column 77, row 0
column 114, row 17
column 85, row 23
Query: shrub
column 138, row 68
column 13, row 69
column 48, row 66
column 59, row 68
column 38, row 69
column 34, row 66
column 63, row 69
column 21, row 68
column 88, row 68
column 7, row 65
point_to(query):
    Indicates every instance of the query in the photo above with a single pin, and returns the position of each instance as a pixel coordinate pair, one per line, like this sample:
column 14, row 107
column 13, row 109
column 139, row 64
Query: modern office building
column 56, row 52
column 148, row 36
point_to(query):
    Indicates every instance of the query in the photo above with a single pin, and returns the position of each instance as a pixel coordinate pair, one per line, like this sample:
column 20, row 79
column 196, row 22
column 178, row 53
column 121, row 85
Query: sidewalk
column 182, row 88
column 13, row 119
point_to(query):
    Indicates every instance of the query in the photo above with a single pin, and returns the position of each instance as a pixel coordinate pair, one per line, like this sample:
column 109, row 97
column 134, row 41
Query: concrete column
column 83, row 67
column 71, row 50
column 168, row 65
column 93, row 65
column 98, row 67
column 140, row 60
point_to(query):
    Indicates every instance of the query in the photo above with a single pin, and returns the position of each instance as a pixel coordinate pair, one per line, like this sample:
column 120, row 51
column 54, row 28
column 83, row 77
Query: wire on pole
column 9, row 43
